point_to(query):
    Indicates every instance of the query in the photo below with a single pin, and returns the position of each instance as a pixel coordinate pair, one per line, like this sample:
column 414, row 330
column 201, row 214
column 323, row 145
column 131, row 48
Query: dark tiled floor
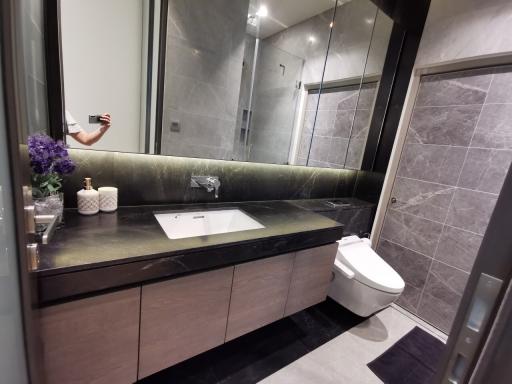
column 258, row 354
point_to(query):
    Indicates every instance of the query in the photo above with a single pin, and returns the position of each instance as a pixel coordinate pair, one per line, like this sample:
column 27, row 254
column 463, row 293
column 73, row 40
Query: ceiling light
column 262, row 12
column 330, row 25
column 368, row 20
column 311, row 39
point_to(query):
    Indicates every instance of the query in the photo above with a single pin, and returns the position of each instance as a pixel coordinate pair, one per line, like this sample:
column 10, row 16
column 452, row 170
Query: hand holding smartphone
column 103, row 119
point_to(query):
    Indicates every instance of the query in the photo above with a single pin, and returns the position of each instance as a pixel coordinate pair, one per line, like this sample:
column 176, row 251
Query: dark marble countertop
column 109, row 250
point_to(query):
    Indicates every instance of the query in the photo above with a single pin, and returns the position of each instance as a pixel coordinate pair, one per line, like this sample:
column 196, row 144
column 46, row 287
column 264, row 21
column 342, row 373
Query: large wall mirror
column 268, row 81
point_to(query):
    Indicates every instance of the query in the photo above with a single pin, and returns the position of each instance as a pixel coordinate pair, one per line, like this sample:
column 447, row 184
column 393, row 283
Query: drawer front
column 183, row 317
column 93, row 340
column 311, row 277
column 258, row 298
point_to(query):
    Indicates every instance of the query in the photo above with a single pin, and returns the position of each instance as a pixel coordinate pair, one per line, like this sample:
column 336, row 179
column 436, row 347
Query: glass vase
column 50, row 205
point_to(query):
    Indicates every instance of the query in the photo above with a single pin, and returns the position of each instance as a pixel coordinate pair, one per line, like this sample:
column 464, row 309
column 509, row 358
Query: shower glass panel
column 276, row 92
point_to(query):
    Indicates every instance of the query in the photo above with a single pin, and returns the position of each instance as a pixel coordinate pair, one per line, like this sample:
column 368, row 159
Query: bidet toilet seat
column 356, row 260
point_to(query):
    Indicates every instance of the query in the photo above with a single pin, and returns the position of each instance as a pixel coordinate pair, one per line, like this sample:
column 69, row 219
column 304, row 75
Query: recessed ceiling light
column 262, row 12
column 311, row 39
column 368, row 20
column 330, row 25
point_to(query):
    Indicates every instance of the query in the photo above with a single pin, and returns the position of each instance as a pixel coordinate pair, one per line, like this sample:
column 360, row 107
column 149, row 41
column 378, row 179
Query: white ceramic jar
column 108, row 199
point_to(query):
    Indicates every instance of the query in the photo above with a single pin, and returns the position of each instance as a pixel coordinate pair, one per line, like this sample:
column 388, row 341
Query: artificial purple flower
column 48, row 156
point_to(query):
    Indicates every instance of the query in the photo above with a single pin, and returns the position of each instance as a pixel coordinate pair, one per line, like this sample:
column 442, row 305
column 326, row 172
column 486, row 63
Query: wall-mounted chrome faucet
column 210, row 183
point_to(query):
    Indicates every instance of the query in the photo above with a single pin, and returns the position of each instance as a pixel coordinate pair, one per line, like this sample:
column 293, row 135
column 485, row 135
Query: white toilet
column 363, row 282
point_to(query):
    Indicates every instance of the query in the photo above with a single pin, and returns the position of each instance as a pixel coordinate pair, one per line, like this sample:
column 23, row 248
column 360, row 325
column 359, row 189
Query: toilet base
column 357, row 297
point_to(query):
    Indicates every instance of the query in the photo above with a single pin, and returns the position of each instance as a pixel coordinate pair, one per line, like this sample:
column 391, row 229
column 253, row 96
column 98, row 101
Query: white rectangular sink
column 182, row 224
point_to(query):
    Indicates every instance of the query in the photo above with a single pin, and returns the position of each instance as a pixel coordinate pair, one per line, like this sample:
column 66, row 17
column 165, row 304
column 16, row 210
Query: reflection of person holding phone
column 87, row 138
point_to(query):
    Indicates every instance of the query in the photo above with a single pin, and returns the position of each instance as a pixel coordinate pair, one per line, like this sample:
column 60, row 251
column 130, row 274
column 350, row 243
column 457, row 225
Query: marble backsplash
column 149, row 179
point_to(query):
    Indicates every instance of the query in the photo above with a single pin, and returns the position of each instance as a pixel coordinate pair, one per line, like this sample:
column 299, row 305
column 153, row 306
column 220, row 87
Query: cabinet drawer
column 93, row 340
column 183, row 317
column 258, row 298
column 312, row 271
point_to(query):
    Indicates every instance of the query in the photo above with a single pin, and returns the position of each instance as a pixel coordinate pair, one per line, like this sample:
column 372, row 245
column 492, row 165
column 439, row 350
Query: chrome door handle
column 51, row 221
column 33, row 256
column 30, row 219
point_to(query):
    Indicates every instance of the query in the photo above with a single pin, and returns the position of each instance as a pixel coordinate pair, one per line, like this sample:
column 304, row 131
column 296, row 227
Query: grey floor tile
column 344, row 359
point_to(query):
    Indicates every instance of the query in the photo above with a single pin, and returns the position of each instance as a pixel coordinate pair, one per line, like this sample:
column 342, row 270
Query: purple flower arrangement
column 50, row 161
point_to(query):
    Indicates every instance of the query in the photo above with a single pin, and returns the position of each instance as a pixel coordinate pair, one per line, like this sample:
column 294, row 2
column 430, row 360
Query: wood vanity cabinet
column 183, row 317
column 92, row 340
column 101, row 338
column 311, row 277
column 259, row 293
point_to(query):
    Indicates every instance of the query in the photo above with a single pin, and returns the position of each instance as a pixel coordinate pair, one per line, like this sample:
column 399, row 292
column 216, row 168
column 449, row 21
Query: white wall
column 102, row 46
column 462, row 29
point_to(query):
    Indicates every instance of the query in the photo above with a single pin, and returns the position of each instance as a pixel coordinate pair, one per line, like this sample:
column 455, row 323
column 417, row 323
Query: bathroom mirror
column 275, row 81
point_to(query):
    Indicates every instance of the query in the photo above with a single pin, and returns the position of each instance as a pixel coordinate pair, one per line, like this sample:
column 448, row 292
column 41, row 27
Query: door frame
column 16, row 123
column 405, row 119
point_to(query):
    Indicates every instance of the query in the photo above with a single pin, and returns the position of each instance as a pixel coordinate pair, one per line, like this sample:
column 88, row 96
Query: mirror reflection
column 275, row 81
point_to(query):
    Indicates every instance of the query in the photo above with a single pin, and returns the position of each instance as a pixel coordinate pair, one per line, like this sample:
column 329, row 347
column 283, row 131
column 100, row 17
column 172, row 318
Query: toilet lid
column 369, row 268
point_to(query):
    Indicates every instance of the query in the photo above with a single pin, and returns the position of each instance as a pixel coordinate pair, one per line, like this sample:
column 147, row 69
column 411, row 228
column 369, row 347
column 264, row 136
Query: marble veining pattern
column 457, row 153
column 337, row 136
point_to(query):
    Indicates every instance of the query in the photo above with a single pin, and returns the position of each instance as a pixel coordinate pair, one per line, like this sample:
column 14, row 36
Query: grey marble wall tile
column 446, row 283
column 305, row 142
column 437, row 312
column 412, row 266
column 494, row 129
column 343, row 123
column 367, row 95
column 411, row 232
column 500, row 91
column 361, row 124
column 443, row 125
column 324, row 123
column 320, row 148
column 355, row 153
column 337, row 151
column 423, row 199
column 458, row 248
column 471, row 210
column 348, row 98
column 435, row 163
column 410, row 298
column 485, row 169
column 309, row 121
column 455, row 88
column 339, row 98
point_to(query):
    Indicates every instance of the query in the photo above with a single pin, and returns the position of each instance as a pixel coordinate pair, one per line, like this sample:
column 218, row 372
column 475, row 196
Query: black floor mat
column 413, row 359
